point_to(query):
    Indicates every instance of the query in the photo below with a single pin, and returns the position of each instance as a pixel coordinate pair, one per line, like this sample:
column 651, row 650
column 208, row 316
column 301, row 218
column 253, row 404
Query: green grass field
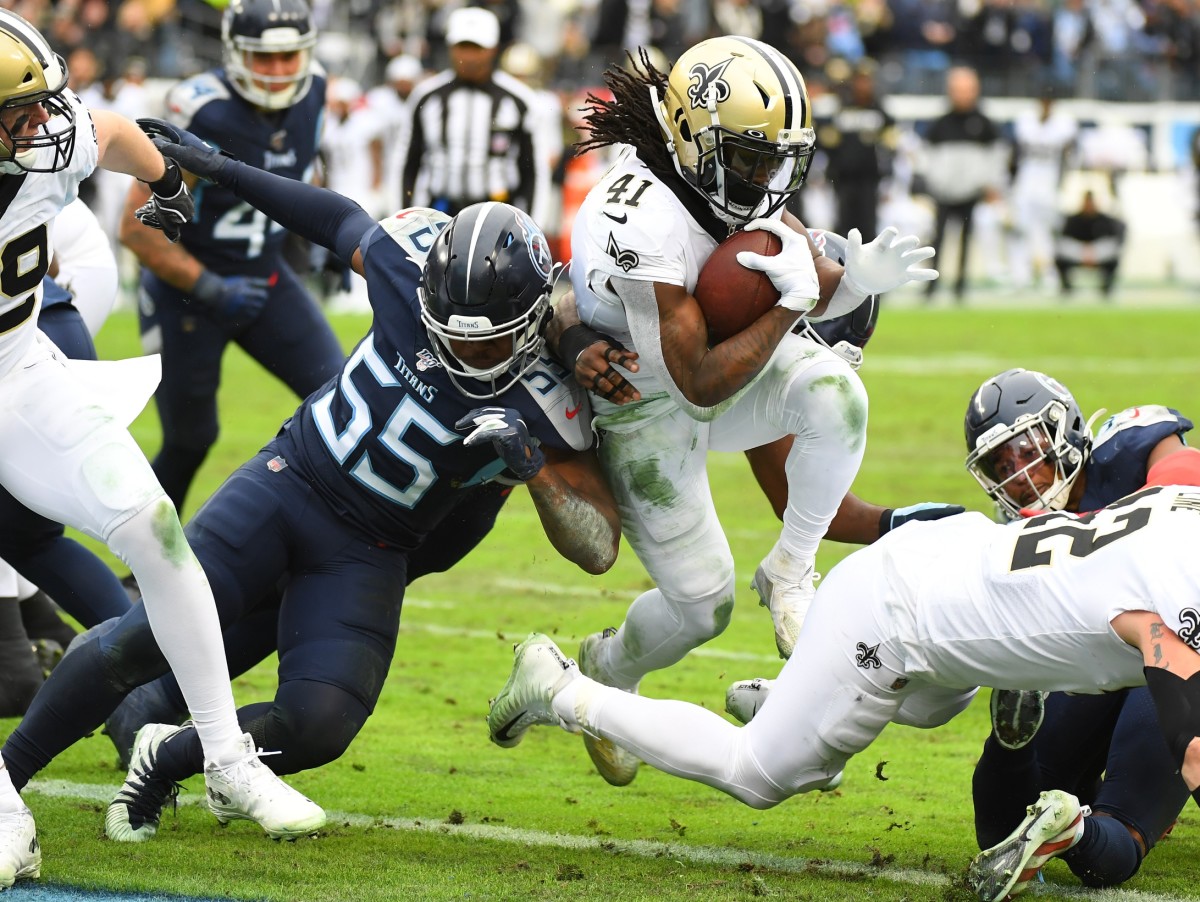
column 424, row 807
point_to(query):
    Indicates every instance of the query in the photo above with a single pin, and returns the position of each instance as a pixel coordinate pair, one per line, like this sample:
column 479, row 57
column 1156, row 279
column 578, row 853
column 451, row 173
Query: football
column 732, row 296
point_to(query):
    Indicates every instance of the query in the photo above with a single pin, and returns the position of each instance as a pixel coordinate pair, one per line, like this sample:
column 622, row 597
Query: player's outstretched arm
column 317, row 214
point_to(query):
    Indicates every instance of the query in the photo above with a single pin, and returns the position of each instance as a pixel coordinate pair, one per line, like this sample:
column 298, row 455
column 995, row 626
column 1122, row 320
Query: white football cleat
column 20, row 854
column 617, row 766
column 134, row 812
column 788, row 598
column 249, row 790
column 745, row 697
column 1053, row 825
column 540, row 671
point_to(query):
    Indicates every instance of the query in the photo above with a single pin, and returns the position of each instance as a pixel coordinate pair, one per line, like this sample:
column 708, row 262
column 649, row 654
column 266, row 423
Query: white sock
column 183, row 615
column 10, row 800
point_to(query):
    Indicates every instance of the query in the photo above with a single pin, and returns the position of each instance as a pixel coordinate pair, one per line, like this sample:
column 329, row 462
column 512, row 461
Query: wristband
column 885, row 522
column 576, row 339
column 171, row 181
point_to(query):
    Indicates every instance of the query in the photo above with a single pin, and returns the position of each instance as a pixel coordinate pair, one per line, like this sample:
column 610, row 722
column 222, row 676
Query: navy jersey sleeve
column 1117, row 465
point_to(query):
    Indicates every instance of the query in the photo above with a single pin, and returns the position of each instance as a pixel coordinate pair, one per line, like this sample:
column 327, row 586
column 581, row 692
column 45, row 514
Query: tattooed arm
column 1171, row 666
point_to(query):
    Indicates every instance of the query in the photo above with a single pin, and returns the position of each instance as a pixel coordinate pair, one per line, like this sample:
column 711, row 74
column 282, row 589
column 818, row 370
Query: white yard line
column 941, row 364
column 699, row 855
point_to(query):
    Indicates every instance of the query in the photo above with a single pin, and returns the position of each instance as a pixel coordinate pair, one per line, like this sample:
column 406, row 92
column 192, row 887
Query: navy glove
column 233, row 301
column 170, row 204
column 187, row 150
column 926, row 510
column 509, row 435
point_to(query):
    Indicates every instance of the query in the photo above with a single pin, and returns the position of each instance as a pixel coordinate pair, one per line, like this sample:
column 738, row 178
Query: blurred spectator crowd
column 1106, row 49
column 853, row 55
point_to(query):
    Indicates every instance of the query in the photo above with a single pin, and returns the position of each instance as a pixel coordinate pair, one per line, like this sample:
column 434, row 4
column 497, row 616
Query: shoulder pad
column 1140, row 417
column 415, row 229
column 646, row 241
column 186, row 99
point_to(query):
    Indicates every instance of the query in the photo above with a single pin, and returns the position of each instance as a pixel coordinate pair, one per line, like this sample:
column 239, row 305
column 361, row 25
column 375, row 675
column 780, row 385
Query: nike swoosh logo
column 502, row 733
column 622, row 219
column 573, row 411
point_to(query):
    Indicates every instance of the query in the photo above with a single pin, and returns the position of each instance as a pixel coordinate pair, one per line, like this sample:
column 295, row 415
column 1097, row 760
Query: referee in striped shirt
column 473, row 135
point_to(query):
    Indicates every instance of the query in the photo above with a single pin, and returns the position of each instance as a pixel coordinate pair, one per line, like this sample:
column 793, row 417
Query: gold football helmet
column 32, row 74
column 738, row 125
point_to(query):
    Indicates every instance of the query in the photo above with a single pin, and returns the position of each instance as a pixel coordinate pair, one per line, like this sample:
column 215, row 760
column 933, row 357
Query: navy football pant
column 1106, row 749
column 291, row 339
column 336, row 625
column 81, row 583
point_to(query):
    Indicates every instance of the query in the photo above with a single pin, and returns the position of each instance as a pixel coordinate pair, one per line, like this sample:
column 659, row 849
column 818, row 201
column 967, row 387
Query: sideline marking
column 701, row 855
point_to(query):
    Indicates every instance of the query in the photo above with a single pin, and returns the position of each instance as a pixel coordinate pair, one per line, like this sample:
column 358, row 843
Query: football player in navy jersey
column 1030, row 449
column 448, row 391
column 227, row 279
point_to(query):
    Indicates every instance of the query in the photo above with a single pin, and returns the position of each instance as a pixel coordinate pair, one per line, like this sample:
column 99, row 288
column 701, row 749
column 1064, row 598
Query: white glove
column 886, row 263
column 791, row 271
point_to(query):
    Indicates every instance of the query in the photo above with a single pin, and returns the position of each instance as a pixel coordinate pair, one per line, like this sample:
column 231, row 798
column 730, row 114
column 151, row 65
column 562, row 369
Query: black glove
column 509, row 435
column 170, row 204
column 926, row 510
column 233, row 301
column 190, row 152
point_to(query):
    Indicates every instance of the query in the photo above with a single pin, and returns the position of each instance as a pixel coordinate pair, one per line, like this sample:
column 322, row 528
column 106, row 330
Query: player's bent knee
column 312, row 724
column 835, row 404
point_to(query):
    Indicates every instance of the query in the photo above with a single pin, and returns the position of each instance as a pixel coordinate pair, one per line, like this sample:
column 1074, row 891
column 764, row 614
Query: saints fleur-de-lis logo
column 1189, row 629
column 627, row 260
column 868, row 656
column 705, row 78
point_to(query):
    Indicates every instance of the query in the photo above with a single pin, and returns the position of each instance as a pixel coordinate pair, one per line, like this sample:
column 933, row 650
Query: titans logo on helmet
column 539, row 253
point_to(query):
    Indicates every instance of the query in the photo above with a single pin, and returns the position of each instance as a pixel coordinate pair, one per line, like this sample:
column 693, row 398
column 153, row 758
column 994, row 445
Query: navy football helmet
column 1027, row 441
column 848, row 334
column 488, row 276
column 268, row 26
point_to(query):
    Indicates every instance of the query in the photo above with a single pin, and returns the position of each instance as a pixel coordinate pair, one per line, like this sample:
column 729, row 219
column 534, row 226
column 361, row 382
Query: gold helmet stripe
column 794, row 94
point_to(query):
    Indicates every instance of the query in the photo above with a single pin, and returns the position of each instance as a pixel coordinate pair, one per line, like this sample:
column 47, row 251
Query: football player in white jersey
column 65, row 451
column 1018, row 604
column 721, row 142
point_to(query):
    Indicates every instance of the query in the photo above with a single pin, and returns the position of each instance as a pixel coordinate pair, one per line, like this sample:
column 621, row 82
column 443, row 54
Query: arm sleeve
column 317, row 214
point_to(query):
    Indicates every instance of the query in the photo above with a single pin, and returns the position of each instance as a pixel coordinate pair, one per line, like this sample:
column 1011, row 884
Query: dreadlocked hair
column 629, row 117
